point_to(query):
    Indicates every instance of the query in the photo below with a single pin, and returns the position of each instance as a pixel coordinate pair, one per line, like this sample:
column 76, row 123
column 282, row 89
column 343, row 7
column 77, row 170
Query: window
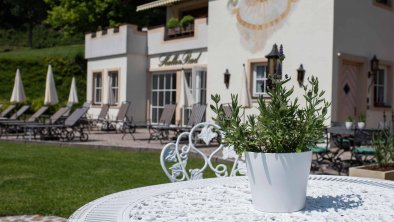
column 97, row 87
column 196, row 79
column 163, row 92
column 380, row 89
column 259, row 79
column 113, row 77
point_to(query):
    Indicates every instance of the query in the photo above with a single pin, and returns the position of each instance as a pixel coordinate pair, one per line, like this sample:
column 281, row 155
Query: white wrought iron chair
column 174, row 156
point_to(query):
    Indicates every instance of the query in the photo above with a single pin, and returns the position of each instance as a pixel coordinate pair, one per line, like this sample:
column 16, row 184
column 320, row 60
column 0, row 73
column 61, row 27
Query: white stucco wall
column 125, row 52
column 306, row 34
column 363, row 29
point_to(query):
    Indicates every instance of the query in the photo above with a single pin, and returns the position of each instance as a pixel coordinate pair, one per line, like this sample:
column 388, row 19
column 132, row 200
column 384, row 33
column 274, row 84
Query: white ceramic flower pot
column 278, row 181
column 348, row 125
column 361, row 125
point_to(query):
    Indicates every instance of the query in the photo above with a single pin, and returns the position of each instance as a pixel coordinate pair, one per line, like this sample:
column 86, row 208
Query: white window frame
column 114, row 88
column 255, row 79
column 158, row 91
column 384, row 86
column 95, row 88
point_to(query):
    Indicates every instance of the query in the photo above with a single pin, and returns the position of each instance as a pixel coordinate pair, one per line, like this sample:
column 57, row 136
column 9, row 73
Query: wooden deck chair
column 7, row 111
column 227, row 110
column 160, row 131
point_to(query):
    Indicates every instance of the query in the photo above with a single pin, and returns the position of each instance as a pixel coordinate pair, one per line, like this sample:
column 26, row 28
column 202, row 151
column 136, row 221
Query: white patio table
column 329, row 198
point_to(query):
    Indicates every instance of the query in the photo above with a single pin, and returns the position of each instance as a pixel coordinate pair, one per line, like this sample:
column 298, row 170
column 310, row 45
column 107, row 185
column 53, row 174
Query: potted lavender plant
column 276, row 143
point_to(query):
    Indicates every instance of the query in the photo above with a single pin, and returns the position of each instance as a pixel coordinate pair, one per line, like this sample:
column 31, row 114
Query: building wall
column 363, row 29
column 136, row 86
column 306, row 33
column 126, row 52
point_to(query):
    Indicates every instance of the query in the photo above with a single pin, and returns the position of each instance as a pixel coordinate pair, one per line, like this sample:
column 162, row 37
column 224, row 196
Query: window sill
column 378, row 107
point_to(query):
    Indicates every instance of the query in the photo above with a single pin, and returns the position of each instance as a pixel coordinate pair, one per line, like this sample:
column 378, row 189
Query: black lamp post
column 300, row 75
column 227, row 78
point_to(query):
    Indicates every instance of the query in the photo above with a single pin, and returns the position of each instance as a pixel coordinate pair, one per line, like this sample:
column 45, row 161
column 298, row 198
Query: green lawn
column 55, row 180
column 33, row 54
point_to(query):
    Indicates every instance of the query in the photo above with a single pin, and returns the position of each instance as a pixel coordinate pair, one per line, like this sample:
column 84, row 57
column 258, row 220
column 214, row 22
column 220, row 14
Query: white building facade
column 335, row 41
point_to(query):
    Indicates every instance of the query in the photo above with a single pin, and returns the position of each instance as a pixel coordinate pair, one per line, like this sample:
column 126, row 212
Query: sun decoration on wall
column 257, row 19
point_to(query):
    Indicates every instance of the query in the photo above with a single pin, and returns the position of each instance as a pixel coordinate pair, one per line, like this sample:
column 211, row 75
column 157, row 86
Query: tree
column 76, row 16
column 18, row 13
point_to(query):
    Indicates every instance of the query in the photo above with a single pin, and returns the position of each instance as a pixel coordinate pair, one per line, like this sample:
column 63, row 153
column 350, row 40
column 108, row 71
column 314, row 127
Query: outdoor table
column 329, row 198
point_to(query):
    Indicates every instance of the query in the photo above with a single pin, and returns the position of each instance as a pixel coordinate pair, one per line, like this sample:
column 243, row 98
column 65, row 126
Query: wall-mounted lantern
column 227, row 75
column 374, row 66
column 272, row 63
column 300, row 75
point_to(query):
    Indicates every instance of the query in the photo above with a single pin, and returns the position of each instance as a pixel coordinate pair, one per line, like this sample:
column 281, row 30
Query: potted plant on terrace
column 276, row 143
column 173, row 26
column 383, row 151
column 361, row 121
column 187, row 24
column 349, row 122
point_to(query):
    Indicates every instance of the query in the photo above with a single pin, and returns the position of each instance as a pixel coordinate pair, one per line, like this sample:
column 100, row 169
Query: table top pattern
column 329, row 198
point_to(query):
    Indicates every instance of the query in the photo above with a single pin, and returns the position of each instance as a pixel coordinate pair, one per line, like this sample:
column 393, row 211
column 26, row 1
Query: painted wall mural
column 257, row 19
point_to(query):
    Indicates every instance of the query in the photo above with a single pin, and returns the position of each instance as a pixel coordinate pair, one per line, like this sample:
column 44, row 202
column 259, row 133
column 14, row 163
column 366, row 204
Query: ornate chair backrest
column 202, row 142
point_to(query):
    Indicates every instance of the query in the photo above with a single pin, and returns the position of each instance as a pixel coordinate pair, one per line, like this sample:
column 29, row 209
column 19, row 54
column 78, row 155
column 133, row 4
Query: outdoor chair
column 122, row 122
column 196, row 116
column 16, row 115
column 102, row 121
column 15, row 124
column 7, row 111
column 160, row 131
column 32, row 128
column 65, row 131
column 321, row 152
column 220, row 159
column 362, row 151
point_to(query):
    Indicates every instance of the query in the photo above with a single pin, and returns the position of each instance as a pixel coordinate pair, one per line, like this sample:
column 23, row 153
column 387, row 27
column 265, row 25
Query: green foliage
column 80, row 16
column 186, row 21
column 66, row 62
column 172, row 23
column 282, row 126
column 349, row 119
column 383, row 143
column 362, row 118
column 43, row 37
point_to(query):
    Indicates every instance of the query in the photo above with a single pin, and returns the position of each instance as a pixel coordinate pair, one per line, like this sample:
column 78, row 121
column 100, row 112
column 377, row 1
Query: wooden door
column 351, row 91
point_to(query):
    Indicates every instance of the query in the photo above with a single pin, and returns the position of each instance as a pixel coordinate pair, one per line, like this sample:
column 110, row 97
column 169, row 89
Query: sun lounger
column 6, row 126
column 65, row 131
column 7, row 111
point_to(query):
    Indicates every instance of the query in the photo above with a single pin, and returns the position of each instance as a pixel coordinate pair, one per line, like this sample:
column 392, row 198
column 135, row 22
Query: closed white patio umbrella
column 50, row 89
column 246, row 99
column 73, row 97
column 186, row 97
column 18, row 93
